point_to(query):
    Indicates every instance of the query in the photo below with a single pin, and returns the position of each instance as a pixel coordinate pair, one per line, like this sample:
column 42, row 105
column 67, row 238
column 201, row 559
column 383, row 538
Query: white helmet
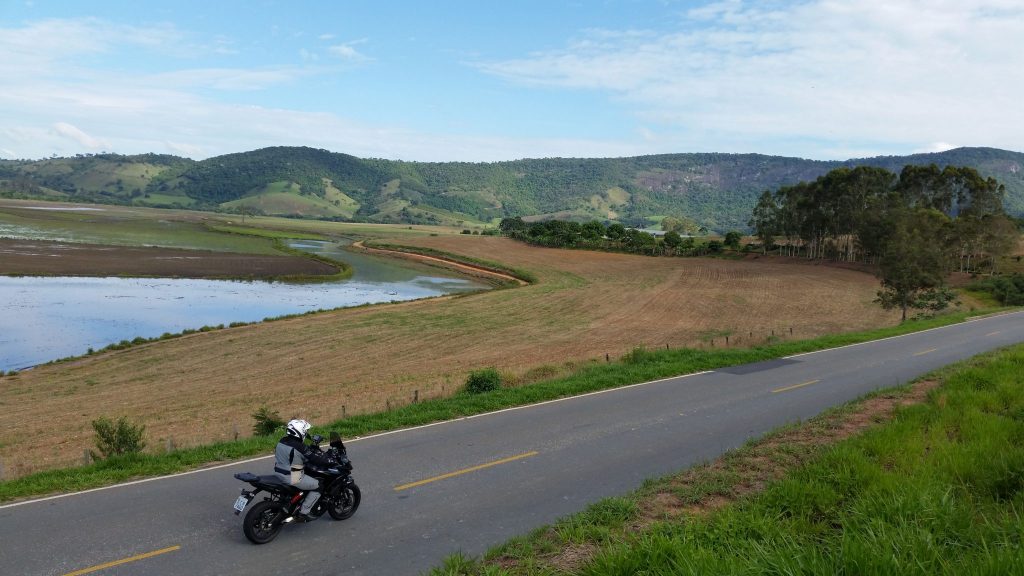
column 298, row 428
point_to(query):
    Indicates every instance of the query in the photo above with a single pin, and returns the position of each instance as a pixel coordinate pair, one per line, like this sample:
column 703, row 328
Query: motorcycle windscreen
column 336, row 440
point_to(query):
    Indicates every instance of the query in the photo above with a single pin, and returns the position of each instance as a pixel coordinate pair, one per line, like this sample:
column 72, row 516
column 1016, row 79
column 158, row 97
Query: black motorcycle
column 339, row 498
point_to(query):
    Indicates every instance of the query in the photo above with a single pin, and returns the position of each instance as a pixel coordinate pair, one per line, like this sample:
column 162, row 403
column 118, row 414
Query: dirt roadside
column 460, row 266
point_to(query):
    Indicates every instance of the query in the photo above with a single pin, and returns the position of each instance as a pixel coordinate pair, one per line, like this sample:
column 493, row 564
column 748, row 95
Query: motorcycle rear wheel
column 343, row 504
column 262, row 522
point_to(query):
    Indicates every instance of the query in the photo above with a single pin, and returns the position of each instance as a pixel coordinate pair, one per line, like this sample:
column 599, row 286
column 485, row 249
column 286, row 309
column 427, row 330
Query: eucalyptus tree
column 765, row 220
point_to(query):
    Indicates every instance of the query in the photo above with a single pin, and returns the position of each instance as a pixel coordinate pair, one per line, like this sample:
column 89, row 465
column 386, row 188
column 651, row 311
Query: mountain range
column 713, row 190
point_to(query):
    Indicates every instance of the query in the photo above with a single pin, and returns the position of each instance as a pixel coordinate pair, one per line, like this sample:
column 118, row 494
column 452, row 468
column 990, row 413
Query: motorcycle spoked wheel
column 263, row 522
column 344, row 504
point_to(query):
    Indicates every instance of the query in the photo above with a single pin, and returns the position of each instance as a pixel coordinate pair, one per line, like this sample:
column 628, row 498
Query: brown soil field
column 198, row 388
column 40, row 257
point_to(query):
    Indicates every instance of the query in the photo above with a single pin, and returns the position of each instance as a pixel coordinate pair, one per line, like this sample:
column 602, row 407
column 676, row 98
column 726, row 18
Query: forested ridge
column 716, row 191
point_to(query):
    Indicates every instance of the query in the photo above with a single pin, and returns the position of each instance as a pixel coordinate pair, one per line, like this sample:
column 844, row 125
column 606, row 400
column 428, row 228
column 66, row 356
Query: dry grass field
column 585, row 305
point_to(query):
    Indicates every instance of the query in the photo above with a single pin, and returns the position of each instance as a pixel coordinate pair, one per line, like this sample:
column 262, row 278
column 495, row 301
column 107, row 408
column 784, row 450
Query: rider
column 292, row 456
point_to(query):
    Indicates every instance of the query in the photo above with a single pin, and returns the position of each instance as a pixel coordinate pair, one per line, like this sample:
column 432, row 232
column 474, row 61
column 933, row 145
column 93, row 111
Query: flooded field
column 45, row 318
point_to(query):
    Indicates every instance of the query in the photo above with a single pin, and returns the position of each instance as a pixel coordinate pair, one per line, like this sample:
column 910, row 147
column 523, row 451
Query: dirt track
column 39, row 257
column 196, row 389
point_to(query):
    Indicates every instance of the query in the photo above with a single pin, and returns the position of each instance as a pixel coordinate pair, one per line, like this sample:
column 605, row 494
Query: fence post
column 234, row 430
column 415, row 396
column 170, row 444
column 607, row 357
column 387, row 405
column 726, row 340
column 86, row 457
column 342, row 411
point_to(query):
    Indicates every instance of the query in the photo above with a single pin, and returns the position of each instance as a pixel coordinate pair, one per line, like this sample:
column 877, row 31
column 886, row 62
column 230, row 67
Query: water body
column 42, row 319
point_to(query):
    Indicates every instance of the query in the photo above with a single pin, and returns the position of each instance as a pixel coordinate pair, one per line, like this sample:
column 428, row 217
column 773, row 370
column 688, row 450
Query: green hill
column 714, row 190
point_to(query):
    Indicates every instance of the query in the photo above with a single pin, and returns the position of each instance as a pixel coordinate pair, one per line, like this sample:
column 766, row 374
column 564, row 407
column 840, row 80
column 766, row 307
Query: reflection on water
column 42, row 319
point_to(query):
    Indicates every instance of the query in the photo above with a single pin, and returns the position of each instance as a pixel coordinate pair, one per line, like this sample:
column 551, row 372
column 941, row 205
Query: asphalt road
column 475, row 482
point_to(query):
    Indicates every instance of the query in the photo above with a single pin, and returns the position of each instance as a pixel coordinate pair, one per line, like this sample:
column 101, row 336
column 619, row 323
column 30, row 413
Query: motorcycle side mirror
column 317, row 439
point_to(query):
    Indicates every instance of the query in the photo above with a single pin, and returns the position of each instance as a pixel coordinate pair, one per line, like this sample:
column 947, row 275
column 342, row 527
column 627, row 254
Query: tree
column 510, row 225
column 672, row 239
column 616, row 231
column 914, row 260
column 765, row 220
column 732, row 239
column 999, row 238
column 593, row 230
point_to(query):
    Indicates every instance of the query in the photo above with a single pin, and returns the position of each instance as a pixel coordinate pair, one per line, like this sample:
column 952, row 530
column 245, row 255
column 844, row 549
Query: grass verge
column 638, row 366
column 925, row 479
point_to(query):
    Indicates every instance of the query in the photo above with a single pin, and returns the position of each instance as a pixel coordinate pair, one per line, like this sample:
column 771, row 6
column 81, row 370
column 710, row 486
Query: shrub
column 267, row 421
column 483, row 381
column 638, row 355
column 117, row 438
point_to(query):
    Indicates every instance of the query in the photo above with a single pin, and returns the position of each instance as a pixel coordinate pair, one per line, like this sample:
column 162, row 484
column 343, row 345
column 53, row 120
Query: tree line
column 615, row 237
column 916, row 226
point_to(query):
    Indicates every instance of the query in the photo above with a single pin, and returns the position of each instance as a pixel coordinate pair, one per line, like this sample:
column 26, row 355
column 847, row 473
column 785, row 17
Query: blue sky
column 485, row 81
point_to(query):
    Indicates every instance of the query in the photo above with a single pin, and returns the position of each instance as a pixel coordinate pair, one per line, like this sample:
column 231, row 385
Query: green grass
column 938, row 489
column 593, row 376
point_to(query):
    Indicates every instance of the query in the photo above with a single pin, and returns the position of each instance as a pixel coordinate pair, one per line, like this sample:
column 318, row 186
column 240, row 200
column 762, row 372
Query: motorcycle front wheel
column 263, row 522
column 343, row 504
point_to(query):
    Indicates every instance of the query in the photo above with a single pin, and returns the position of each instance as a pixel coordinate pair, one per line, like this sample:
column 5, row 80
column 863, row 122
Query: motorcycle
column 339, row 497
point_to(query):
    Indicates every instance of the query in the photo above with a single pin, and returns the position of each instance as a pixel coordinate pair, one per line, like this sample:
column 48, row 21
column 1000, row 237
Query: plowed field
column 585, row 305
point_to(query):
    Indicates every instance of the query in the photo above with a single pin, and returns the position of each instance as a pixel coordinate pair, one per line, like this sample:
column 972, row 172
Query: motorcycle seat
column 267, row 480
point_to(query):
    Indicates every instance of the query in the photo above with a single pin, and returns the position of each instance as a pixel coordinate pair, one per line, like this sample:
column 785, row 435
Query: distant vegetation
column 916, row 227
column 594, row 235
column 713, row 191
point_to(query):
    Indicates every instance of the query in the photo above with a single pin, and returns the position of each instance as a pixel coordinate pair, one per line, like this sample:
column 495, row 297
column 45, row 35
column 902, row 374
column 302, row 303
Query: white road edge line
column 978, row 319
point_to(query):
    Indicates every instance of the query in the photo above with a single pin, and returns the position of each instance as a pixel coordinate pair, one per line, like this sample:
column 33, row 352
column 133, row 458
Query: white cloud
column 74, row 133
column 347, row 51
column 935, row 147
column 892, row 73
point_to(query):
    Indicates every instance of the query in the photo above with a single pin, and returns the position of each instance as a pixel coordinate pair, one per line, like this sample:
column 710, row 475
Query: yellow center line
column 994, row 333
column 465, row 471
column 794, row 386
column 124, row 561
column 923, row 352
